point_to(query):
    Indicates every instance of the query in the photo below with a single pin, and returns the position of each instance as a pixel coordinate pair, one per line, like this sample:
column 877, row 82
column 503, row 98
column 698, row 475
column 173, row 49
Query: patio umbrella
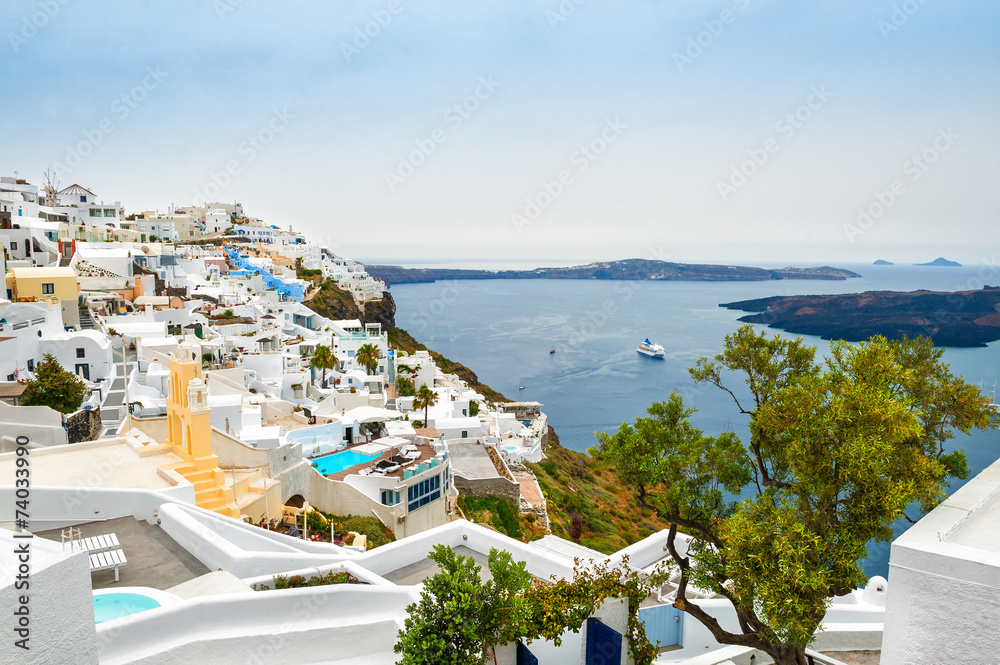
column 373, row 414
column 373, row 448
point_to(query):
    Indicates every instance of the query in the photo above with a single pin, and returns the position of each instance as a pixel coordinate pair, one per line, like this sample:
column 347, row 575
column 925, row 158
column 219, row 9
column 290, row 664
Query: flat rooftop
column 471, row 461
column 103, row 463
column 154, row 558
column 415, row 573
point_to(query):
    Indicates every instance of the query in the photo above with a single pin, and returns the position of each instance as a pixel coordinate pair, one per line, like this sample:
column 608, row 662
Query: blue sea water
column 504, row 329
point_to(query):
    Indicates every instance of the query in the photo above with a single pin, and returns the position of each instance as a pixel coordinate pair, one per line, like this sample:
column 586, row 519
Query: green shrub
column 503, row 512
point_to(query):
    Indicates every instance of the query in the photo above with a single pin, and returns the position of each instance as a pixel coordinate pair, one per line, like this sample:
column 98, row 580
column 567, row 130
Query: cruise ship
column 650, row 349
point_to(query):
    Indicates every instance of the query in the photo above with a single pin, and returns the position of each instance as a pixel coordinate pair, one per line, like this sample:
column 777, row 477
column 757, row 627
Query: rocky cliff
column 335, row 303
column 961, row 318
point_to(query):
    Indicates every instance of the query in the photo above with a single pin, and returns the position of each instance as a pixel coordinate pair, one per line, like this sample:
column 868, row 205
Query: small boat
column 552, row 350
column 650, row 349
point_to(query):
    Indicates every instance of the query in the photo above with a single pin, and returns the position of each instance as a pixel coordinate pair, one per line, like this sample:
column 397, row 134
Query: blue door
column 525, row 657
column 664, row 625
column 604, row 645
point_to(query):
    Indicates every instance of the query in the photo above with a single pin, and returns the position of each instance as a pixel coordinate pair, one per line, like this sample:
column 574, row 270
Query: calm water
column 504, row 330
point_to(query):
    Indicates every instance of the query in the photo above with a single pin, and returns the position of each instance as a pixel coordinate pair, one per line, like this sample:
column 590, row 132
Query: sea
column 506, row 330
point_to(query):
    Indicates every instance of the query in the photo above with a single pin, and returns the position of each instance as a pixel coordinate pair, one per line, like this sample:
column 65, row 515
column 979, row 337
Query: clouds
column 232, row 63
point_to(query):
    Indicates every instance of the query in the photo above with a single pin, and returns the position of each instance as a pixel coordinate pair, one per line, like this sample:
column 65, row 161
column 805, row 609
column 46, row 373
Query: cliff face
column 961, row 319
column 629, row 269
column 335, row 303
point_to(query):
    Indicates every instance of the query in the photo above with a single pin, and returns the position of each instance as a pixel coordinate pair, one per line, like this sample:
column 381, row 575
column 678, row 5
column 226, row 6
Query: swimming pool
column 116, row 603
column 340, row 461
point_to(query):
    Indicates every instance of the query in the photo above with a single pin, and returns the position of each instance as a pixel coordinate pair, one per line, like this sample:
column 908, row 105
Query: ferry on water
column 650, row 349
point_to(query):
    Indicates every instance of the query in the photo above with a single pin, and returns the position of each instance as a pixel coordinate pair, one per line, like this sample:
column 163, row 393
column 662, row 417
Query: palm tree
column 368, row 355
column 424, row 399
column 323, row 359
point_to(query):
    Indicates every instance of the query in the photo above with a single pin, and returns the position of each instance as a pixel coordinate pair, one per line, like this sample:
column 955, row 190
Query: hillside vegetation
column 588, row 503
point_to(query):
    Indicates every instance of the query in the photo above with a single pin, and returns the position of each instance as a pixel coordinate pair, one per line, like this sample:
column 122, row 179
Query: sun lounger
column 102, row 543
column 107, row 560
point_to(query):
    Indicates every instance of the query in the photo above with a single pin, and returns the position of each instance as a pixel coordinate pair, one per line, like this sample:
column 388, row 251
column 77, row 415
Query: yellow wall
column 27, row 283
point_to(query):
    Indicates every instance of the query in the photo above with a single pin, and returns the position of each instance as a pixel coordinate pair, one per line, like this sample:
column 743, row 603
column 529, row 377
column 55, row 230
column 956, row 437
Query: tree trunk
column 788, row 655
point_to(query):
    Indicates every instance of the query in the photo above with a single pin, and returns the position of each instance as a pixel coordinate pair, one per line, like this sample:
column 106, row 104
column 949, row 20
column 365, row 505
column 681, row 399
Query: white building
column 256, row 231
column 217, row 220
column 30, row 330
column 943, row 604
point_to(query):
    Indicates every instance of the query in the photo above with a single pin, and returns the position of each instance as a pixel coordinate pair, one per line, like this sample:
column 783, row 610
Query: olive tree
column 838, row 450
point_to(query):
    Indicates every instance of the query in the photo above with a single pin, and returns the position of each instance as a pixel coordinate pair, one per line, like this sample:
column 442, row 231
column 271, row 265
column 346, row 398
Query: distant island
column 883, row 262
column 941, row 262
column 628, row 269
column 962, row 318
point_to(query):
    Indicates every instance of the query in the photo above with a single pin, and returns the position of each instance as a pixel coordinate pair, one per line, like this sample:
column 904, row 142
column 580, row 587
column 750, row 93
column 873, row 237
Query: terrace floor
column 154, row 558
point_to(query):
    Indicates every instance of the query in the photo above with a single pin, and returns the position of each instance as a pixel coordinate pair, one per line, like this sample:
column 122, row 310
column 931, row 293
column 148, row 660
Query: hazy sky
column 730, row 130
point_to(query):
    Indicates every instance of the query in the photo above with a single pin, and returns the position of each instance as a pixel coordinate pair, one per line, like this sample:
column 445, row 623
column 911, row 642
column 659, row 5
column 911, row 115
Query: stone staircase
column 86, row 321
column 208, row 486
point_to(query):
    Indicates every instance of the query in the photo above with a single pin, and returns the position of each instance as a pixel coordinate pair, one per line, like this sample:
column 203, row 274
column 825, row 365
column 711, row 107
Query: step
column 195, row 477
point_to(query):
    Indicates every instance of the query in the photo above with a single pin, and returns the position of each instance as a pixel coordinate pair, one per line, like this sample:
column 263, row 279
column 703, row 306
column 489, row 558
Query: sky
column 541, row 131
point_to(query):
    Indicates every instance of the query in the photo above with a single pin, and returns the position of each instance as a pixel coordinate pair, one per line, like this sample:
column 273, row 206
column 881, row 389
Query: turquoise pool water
column 340, row 461
column 115, row 605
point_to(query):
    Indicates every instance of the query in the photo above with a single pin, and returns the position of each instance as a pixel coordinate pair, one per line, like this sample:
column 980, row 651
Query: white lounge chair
column 107, row 560
column 101, row 543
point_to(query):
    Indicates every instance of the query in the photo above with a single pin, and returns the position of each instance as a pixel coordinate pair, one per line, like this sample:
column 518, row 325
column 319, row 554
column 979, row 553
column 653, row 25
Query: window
column 420, row 494
column 109, row 212
column 465, row 434
column 31, row 364
column 81, row 352
column 11, row 377
column 95, row 212
column 83, row 199
column 390, row 498
column 48, row 288
column 13, row 245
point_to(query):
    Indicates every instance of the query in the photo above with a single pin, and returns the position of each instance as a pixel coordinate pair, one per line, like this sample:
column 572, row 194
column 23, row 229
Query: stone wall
column 501, row 487
column 84, row 425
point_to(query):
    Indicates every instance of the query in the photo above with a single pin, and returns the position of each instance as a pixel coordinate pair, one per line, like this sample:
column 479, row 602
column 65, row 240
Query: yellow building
column 46, row 284
column 189, row 434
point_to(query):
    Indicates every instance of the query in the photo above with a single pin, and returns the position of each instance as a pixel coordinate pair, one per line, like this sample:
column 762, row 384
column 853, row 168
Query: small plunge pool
column 126, row 601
